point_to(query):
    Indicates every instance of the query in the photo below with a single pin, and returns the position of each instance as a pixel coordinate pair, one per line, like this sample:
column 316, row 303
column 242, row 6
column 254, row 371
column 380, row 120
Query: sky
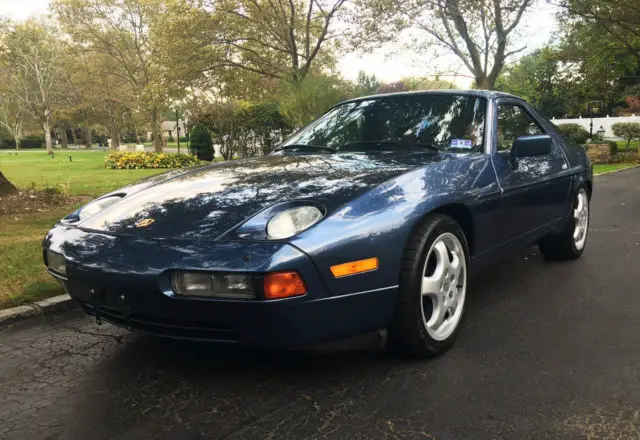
column 385, row 63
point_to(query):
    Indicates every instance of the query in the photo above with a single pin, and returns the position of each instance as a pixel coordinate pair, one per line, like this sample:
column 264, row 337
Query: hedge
column 28, row 143
column 129, row 161
column 626, row 157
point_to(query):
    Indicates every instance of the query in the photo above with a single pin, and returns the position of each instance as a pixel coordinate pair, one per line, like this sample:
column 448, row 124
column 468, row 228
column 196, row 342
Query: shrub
column 183, row 139
column 170, row 138
column 627, row 131
column 128, row 161
column 55, row 193
column 28, row 142
column 627, row 157
column 201, row 142
column 574, row 133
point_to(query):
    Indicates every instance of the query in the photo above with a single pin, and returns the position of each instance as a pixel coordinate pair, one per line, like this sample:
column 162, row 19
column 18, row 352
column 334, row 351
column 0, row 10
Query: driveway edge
column 616, row 171
column 40, row 308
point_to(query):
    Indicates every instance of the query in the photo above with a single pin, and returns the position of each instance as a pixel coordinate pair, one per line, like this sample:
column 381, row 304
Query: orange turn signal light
column 354, row 267
column 283, row 285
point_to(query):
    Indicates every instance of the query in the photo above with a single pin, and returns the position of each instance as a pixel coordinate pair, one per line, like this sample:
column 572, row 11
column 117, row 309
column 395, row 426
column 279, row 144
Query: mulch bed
column 34, row 201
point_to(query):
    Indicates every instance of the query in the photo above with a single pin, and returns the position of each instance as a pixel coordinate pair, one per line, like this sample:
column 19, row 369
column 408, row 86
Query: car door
column 534, row 189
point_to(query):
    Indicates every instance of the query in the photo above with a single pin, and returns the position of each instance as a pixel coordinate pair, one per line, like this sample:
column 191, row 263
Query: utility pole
column 178, row 128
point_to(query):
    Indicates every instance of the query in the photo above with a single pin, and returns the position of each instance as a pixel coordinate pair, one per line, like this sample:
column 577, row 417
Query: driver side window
column 514, row 122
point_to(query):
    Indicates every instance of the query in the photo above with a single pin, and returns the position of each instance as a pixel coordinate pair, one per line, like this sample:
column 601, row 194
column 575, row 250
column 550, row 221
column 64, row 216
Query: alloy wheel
column 581, row 219
column 443, row 286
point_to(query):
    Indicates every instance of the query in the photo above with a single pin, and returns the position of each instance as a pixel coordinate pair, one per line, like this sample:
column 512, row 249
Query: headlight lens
column 97, row 206
column 57, row 262
column 210, row 285
column 288, row 223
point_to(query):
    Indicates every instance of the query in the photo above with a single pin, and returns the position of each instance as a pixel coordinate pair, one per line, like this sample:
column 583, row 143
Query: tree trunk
column 114, row 128
column 6, row 187
column 483, row 83
column 156, row 131
column 74, row 135
column 17, row 140
column 63, row 137
column 46, row 126
column 86, row 132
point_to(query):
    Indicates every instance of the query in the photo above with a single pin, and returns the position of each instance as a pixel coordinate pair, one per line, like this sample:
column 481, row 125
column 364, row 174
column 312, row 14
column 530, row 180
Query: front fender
column 379, row 223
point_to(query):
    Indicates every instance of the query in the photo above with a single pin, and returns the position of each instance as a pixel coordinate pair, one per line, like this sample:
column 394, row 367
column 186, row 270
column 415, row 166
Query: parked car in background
column 370, row 217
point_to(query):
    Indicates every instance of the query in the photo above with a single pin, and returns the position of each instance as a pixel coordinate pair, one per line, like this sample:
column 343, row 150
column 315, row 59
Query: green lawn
column 22, row 273
column 85, row 174
column 599, row 169
column 622, row 146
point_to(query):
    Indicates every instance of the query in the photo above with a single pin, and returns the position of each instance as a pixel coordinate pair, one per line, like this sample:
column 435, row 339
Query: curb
column 616, row 171
column 40, row 308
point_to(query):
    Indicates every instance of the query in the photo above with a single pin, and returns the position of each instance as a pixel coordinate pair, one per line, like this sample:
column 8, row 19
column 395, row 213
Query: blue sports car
column 370, row 217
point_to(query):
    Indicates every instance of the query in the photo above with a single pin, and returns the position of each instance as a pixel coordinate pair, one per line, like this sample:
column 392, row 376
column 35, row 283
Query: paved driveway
column 548, row 351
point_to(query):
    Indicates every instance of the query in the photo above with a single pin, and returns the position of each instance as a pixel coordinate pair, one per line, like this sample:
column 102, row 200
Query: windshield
column 427, row 121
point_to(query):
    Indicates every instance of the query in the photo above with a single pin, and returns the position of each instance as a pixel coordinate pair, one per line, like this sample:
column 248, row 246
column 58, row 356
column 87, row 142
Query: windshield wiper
column 294, row 146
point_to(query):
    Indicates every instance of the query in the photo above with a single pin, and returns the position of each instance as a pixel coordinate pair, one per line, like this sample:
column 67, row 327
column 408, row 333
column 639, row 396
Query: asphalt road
column 548, row 351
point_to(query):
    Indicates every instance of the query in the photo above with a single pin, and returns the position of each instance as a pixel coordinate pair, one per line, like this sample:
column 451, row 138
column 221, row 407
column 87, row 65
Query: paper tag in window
column 461, row 143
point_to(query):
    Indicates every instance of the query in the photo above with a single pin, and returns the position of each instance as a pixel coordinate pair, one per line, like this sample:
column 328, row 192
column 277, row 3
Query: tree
column 6, row 187
column 302, row 103
column 627, row 130
column 575, row 133
column 263, row 126
column 478, row 32
column 545, row 82
column 366, row 84
column 603, row 39
column 416, row 83
column 620, row 21
column 125, row 31
column 201, row 142
column 281, row 39
column 11, row 118
column 30, row 67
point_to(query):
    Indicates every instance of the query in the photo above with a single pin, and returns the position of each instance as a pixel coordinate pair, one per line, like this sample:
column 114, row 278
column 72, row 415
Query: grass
column 622, row 146
column 23, row 275
column 599, row 169
column 85, row 174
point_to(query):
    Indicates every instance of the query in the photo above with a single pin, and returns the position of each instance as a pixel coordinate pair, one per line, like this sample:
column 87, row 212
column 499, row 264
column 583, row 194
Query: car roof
column 462, row 92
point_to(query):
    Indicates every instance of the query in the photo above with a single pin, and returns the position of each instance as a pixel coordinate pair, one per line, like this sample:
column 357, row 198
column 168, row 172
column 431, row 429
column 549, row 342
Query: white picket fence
column 599, row 123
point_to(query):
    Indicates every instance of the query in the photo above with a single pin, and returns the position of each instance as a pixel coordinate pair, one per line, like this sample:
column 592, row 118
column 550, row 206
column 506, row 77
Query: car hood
column 206, row 202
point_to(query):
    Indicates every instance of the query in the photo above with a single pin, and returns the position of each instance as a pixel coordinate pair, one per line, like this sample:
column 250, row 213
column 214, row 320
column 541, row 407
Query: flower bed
column 134, row 161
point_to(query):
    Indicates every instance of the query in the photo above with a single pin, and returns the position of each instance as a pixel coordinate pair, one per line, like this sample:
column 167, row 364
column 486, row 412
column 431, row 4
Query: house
column 168, row 129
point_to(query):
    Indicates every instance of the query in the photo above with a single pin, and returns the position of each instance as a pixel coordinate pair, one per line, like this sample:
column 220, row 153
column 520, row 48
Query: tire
column 430, row 279
column 570, row 242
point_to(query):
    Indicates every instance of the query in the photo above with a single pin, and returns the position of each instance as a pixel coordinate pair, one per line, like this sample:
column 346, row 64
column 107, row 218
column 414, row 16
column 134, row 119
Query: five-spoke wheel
column 433, row 287
column 443, row 286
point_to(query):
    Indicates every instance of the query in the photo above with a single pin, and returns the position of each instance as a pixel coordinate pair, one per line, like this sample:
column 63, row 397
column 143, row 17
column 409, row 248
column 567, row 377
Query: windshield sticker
column 461, row 143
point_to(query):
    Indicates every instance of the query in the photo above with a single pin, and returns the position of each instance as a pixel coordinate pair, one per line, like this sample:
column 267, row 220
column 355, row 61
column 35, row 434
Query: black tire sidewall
column 411, row 280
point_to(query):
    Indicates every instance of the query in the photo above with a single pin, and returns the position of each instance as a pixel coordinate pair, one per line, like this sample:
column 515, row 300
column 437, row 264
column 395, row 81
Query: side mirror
column 535, row 145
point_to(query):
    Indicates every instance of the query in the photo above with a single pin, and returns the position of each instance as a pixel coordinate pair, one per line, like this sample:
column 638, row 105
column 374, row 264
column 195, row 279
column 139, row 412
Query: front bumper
column 125, row 280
